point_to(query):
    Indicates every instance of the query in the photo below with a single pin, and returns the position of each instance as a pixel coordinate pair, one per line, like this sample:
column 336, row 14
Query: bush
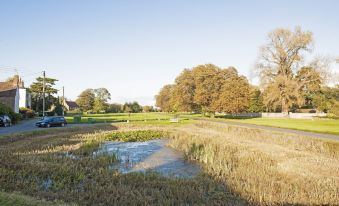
column 26, row 112
column 6, row 110
column 16, row 117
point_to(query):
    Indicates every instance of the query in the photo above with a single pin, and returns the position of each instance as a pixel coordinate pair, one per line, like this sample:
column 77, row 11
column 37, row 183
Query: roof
column 72, row 104
column 6, row 86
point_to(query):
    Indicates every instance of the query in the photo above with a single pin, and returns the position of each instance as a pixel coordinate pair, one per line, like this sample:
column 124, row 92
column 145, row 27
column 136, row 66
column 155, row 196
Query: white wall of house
column 24, row 99
column 17, row 101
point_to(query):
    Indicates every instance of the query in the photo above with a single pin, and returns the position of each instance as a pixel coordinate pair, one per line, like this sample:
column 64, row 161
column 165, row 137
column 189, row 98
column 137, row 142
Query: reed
column 264, row 168
column 60, row 166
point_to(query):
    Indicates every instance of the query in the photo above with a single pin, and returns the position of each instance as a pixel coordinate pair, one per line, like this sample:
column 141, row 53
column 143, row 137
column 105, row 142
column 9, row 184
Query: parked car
column 5, row 121
column 51, row 122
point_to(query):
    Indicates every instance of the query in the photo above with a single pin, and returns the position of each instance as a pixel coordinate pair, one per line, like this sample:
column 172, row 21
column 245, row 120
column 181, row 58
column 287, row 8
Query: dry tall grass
column 60, row 165
column 259, row 166
column 263, row 167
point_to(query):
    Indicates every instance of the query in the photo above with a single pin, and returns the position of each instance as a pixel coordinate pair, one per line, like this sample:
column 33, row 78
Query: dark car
column 5, row 121
column 51, row 122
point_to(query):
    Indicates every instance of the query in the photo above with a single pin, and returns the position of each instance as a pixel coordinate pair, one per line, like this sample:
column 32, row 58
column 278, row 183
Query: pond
column 151, row 155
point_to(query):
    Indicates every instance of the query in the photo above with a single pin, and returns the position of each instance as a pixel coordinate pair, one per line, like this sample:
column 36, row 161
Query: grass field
column 329, row 126
column 240, row 166
column 116, row 117
column 319, row 125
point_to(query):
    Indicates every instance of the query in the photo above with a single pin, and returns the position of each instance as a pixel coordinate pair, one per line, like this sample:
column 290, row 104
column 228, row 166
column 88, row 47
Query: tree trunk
column 284, row 106
column 37, row 104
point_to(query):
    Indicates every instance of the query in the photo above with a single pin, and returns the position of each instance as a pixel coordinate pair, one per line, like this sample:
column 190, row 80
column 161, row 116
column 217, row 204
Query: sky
column 133, row 48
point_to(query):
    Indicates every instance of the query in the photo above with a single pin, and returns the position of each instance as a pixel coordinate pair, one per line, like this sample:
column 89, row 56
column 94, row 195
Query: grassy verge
column 123, row 117
column 318, row 125
column 329, row 126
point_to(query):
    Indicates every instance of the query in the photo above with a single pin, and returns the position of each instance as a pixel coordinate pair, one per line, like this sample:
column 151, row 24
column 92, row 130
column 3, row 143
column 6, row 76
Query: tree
column 147, row 108
column 127, row 108
column 279, row 58
column 282, row 94
column 206, row 88
column 209, row 80
column 136, row 107
column 58, row 108
column 327, row 99
column 256, row 100
column 99, row 106
column 183, row 93
column 102, row 96
column 309, row 81
column 164, row 98
column 114, row 108
column 86, row 100
column 36, row 89
column 234, row 95
column 16, row 80
column 133, row 107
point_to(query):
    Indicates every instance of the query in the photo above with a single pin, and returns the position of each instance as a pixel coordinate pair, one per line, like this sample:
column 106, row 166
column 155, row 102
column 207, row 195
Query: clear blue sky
column 135, row 47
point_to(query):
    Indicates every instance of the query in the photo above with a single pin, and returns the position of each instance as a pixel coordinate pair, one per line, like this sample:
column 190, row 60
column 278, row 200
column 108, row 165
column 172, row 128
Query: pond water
column 151, row 155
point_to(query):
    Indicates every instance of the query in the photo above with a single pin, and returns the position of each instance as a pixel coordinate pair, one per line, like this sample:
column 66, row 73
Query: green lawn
column 329, row 126
column 116, row 117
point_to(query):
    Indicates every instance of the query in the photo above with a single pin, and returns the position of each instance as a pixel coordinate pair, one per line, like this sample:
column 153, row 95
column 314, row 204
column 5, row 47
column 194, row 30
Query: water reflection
column 151, row 155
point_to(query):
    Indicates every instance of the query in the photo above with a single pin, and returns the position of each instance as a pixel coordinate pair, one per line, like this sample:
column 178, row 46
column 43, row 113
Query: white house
column 9, row 96
column 14, row 95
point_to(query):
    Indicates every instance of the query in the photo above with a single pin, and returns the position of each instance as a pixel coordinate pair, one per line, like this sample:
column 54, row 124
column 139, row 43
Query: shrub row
column 5, row 110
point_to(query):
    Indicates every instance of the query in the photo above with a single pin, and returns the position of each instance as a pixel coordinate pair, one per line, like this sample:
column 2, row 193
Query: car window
column 48, row 119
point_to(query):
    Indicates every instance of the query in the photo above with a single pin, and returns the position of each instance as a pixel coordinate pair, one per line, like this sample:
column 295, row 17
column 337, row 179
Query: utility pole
column 63, row 101
column 43, row 93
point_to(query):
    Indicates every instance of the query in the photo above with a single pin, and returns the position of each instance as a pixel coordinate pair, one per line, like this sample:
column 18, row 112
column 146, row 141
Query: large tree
column 102, row 96
column 183, row 92
column 86, row 100
column 94, row 99
column 279, row 58
column 164, row 98
column 206, row 88
column 234, row 94
column 209, row 80
column 36, row 90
